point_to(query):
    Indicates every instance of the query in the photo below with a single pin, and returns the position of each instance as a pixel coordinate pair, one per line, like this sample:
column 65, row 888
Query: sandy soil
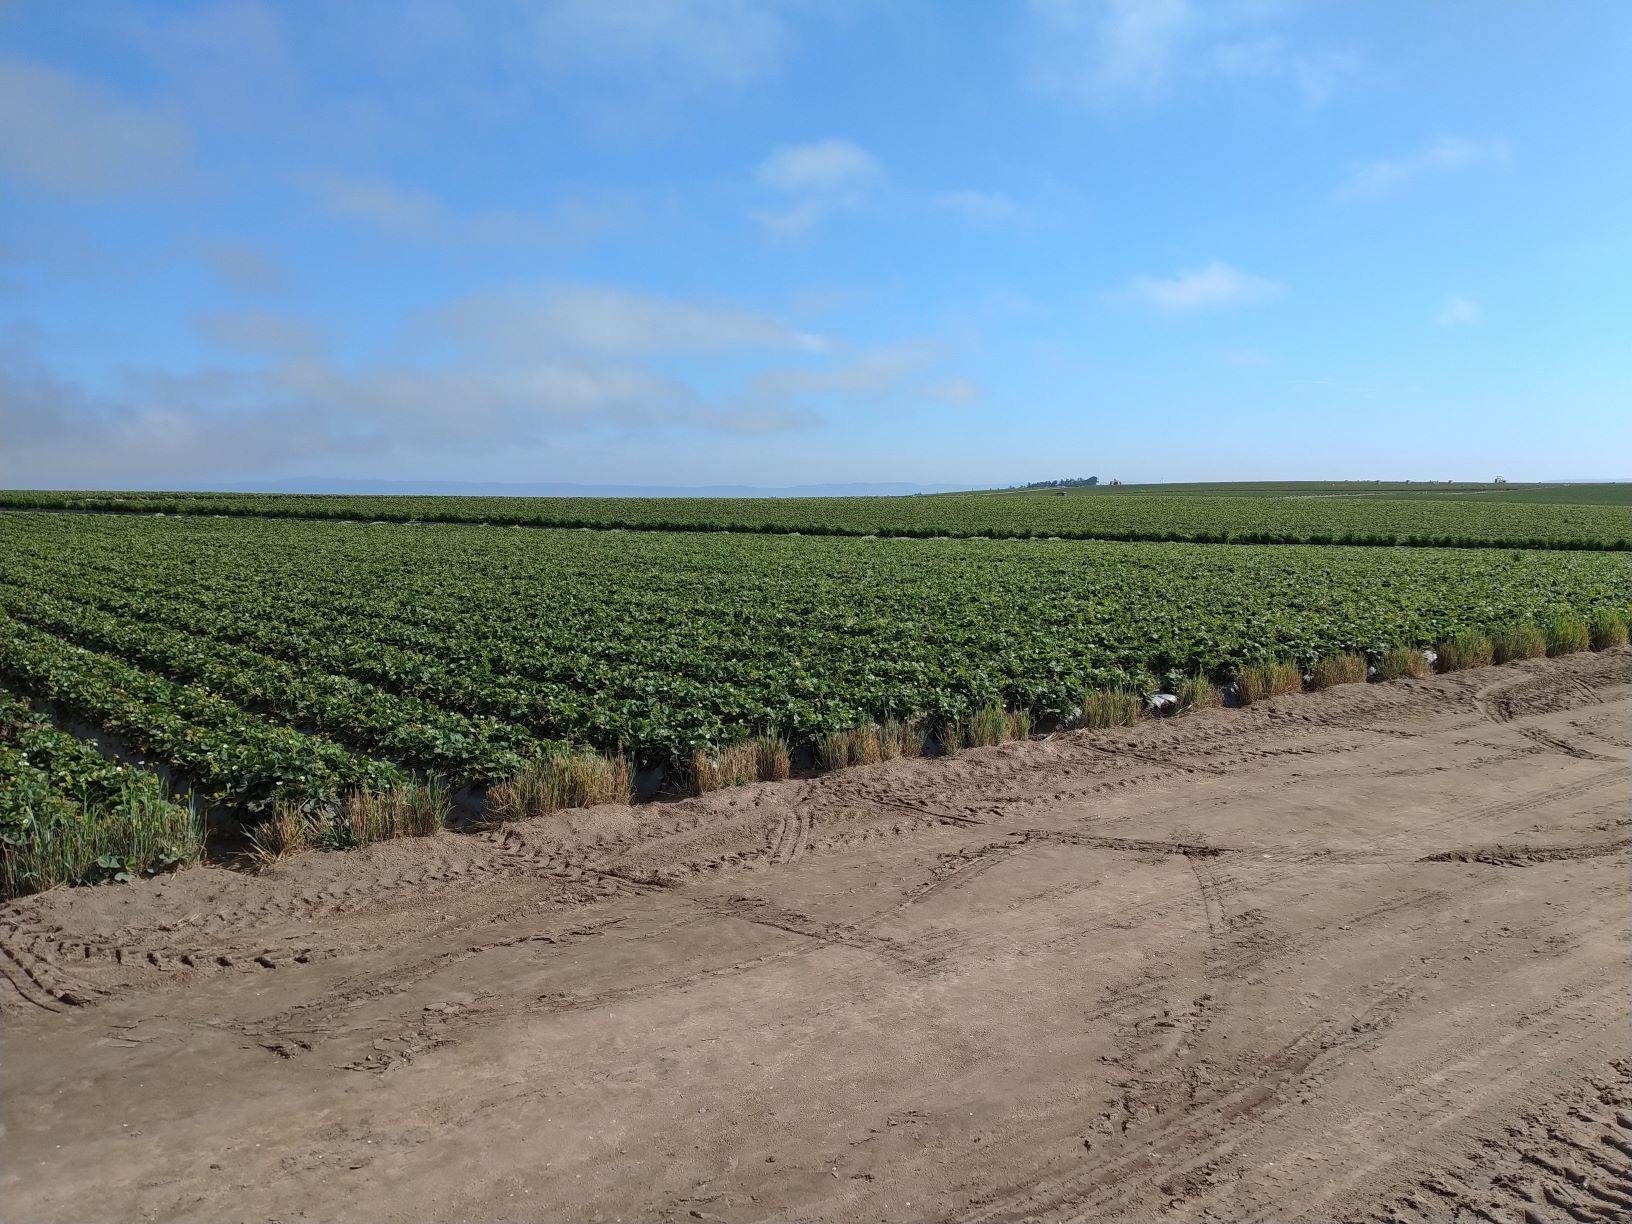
column 1353, row 955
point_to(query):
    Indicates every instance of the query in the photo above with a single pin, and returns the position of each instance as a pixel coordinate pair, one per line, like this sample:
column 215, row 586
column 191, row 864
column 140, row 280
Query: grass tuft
column 1401, row 662
column 1110, row 708
column 1464, row 650
column 1267, row 680
column 983, row 728
column 287, row 831
column 1523, row 641
column 1337, row 669
column 901, row 739
column 418, row 809
column 773, row 760
column 1606, row 628
column 549, row 784
column 1197, row 693
column 1566, row 633
column 77, row 841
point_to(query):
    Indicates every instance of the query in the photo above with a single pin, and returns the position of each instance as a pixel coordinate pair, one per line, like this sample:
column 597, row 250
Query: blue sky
column 718, row 241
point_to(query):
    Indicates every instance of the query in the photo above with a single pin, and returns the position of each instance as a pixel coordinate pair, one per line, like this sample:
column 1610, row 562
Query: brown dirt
column 1359, row 954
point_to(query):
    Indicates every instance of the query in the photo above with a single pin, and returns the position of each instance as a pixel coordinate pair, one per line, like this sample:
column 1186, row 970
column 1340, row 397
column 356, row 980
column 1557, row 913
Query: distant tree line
column 1077, row 483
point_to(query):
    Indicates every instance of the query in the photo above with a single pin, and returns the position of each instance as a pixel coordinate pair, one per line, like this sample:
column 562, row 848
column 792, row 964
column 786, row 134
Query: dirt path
column 1356, row 955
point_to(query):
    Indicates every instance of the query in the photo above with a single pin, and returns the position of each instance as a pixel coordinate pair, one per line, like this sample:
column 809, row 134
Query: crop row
column 70, row 815
column 227, row 755
column 660, row 644
column 1135, row 516
column 403, row 728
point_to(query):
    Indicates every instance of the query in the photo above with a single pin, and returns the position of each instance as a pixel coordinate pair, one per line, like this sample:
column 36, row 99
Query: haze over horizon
column 718, row 242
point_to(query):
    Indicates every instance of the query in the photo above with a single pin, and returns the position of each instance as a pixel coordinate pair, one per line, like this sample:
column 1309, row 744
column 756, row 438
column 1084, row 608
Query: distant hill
column 336, row 486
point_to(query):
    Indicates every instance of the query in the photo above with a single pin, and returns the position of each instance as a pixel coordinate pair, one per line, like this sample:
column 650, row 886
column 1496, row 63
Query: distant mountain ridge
column 463, row 488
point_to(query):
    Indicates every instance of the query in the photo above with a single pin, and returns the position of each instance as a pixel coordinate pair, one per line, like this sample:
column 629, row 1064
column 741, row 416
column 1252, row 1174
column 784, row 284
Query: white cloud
column 981, row 207
column 1215, row 284
column 65, row 134
column 680, row 42
column 820, row 178
column 1458, row 310
column 1443, row 156
column 1106, row 53
column 421, row 216
column 824, row 165
column 486, row 375
column 611, row 322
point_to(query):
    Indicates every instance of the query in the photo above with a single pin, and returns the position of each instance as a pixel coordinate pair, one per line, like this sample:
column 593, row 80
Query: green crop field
column 259, row 660
column 1581, row 517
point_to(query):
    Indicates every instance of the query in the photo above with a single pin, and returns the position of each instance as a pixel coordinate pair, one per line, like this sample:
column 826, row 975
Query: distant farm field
column 1590, row 517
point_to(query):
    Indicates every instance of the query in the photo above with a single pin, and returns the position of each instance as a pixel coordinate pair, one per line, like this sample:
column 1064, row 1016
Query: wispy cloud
column 422, row 216
column 240, row 266
column 1446, row 155
column 1459, row 310
column 64, row 134
column 487, row 372
column 1108, row 53
column 1215, row 284
column 991, row 208
column 816, row 179
column 611, row 323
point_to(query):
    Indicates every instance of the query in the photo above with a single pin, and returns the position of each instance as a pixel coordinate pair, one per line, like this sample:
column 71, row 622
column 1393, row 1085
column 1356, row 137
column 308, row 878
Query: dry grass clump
column 1337, row 669
column 417, row 809
column 900, row 739
column 288, row 830
column 772, row 757
column 1566, row 633
column 990, row 725
column 1400, row 662
column 732, row 765
column 1606, row 628
column 1518, row 642
column 551, row 783
column 1112, row 708
column 1267, row 680
column 1197, row 693
column 1463, row 651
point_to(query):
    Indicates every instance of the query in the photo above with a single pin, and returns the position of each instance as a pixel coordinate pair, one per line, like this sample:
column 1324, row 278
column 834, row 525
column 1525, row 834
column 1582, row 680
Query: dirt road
column 1360, row 954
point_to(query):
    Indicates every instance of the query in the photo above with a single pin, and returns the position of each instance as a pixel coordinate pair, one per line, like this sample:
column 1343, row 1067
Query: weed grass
column 549, row 784
column 1197, row 693
column 1464, row 650
column 1566, row 633
column 77, row 841
column 1606, row 628
column 1110, row 708
column 1400, row 662
column 1523, row 641
column 1337, row 669
column 1267, row 680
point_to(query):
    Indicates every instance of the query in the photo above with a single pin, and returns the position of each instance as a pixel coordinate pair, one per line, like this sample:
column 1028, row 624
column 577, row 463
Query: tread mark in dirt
column 1571, row 1160
column 1501, row 855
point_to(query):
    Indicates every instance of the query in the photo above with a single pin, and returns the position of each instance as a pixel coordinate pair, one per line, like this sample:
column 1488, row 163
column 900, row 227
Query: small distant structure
column 1116, row 482
column 1075, row 482
column 1499, row 480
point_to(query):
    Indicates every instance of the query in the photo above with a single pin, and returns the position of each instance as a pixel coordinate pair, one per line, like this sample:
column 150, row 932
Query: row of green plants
column 364, row 716
column 69, row 815
column 659, row 646
column 227, row 755
column 1197, row 515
